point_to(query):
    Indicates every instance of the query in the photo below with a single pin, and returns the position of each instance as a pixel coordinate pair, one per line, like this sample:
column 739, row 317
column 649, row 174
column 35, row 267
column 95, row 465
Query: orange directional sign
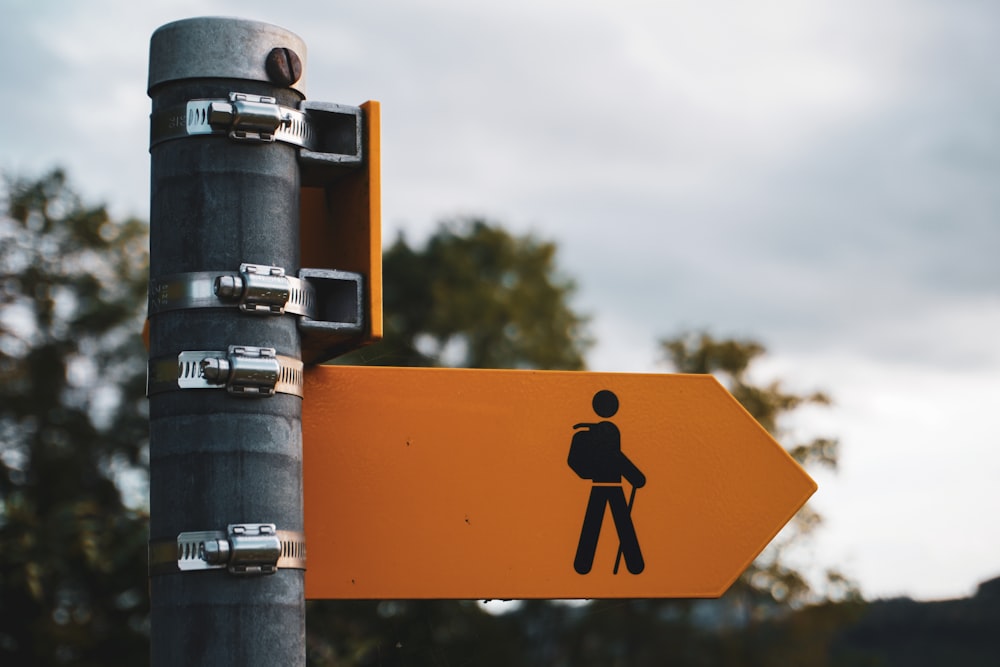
column 444, row 483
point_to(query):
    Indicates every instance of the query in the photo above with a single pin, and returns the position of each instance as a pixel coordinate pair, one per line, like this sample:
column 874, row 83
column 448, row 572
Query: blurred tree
column 770, row 580
column 73, row 430
column 477, row 296
column 73, row 440
column 474, row 296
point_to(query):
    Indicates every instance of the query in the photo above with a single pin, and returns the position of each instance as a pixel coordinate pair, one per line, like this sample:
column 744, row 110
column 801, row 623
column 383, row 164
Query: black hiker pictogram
column 596, row 454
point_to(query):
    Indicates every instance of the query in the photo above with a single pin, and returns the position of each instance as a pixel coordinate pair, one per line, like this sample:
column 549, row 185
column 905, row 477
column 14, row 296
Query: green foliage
column 769, row 581
column 73, row 433
column 730, row 361
column 73, row 426
column 478, row 297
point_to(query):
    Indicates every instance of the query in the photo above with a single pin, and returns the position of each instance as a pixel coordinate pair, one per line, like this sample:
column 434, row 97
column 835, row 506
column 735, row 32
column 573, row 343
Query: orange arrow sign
column 446, row 483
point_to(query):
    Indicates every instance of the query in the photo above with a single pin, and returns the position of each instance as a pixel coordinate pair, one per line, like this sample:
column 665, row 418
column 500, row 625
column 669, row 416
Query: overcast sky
column 821, row 176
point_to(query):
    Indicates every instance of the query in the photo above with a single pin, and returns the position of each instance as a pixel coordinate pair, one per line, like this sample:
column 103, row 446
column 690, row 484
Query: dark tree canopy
column 72, row 428
column 477, row 296
column 73, row 442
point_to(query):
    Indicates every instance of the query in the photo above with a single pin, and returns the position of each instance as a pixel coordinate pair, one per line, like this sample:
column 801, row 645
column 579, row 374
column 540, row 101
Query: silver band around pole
column 255, row 288
column 243, row 370
column 245, row 549
column 242, row 117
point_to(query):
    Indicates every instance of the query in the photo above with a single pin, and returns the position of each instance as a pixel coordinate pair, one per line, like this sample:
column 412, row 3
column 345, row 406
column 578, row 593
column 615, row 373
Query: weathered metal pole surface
column 222, row 457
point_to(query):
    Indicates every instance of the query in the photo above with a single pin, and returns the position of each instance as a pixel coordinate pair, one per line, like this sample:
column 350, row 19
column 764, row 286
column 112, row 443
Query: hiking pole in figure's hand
column 631, row 501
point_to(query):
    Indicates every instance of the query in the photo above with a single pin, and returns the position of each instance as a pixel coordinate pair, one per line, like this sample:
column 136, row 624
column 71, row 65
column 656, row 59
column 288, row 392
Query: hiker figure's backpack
column 585, row 452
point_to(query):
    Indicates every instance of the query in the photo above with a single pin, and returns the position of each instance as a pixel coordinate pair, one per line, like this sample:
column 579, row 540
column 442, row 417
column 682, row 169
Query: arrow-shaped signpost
column 418, row 483
column 446, row 483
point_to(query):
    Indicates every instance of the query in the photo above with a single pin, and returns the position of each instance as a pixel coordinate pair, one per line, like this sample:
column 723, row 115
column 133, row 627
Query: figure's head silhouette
column 605, row 403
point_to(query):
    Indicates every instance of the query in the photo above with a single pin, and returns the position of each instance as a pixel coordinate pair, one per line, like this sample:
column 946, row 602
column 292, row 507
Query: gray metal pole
column 218, row 457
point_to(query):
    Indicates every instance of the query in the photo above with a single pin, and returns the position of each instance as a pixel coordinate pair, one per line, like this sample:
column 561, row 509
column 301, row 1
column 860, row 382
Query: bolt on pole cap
column 226, row 48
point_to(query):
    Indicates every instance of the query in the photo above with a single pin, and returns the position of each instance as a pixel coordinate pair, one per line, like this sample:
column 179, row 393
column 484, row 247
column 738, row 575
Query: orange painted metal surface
column 341, row 224
column 444, row 483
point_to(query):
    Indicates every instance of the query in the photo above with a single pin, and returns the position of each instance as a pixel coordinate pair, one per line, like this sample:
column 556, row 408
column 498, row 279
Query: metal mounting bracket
column 340, row 142
column 245, row 549
column 243, row 370
column 340, row 318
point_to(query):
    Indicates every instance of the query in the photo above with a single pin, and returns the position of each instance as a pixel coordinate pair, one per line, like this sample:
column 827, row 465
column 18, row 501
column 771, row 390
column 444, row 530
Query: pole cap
column 224, row 48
